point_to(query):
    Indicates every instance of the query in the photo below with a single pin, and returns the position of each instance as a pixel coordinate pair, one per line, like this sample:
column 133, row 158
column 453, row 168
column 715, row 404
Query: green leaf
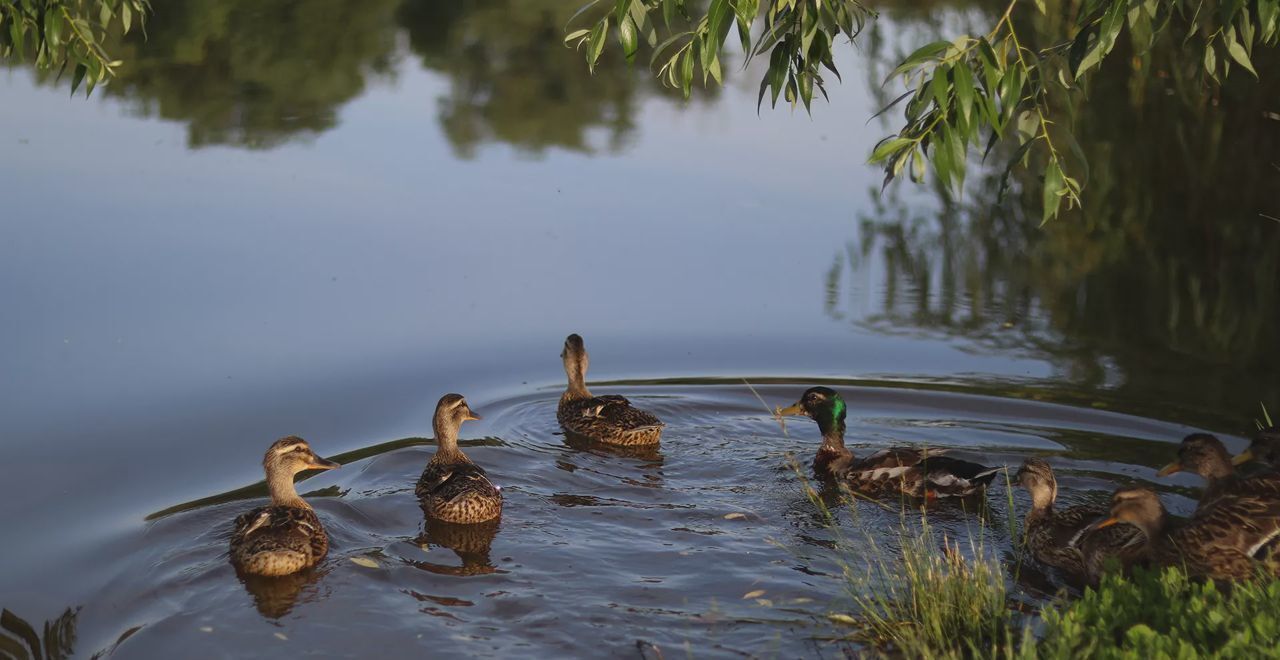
column 921, row 55
column 686, row 72
column 964, row 89
column 888, row 147
column 78, row 77
column 1239, row 54
column 1109, row 29
column 627, row 38
column 575, row 35
column 1054, row 189
column 668, row 12
column 595, row 44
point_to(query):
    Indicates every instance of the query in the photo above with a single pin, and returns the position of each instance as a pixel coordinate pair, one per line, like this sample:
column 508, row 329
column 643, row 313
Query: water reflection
column 470, row 543
column 1164, row 287
column 259, row 74
column 276, row 596
column 55, row 641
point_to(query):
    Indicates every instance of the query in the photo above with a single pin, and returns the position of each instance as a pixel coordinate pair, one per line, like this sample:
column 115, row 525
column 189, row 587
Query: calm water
column 315, row 218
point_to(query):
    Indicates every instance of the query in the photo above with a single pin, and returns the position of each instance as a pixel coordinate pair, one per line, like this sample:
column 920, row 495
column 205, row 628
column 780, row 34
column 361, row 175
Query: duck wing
column 448, row 481
column 945, row 476
column 280, row 528
column 616, row 410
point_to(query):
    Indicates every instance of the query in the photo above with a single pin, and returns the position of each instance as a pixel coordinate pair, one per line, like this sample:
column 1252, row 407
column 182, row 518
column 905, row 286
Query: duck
column 1232, row 539
column 914, row 472
column 452, row 487
column 1264, row 448
column 286, row 536
column 1204, row 454
column 1063, row 538
column 610, row 419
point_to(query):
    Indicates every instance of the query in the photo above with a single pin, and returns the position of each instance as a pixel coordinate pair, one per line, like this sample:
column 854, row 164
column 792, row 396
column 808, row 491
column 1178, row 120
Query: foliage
column 1164, row 615
column 62, row 33
column 1000, row 84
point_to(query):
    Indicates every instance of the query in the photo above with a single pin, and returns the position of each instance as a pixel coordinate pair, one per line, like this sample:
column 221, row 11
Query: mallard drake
column 1264, row 448
column 611, row 418
column 286, row 536
column 453, row 488
column 1205, row 455
column 914, row 472
column 1226, row 541
column 1063, row 537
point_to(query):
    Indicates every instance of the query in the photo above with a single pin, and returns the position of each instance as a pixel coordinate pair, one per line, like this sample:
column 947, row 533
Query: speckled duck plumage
column 913, row 472
column 285, row 536
column 1232, row 538
column 609, row 419
column 452, row 487
column 1065, row 538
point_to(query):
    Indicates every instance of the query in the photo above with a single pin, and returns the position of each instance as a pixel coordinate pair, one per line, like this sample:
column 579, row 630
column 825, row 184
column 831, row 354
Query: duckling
column 1063, row 537
column 609, row 419
column 1264, row 448
column 914, row 472
column 286, row 536
column 1229, row 540
column 452, row 488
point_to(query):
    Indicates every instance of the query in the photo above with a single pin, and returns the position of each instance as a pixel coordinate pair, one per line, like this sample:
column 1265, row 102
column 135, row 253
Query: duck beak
column 1244, row 457
column 793, row 409
column 1169, row 469
column 471, row 415
column 318, row 463
column 1105, row 523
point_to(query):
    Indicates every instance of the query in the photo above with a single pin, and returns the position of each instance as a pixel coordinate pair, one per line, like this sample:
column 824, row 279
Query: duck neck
column 832, row 437
column 577, row 382
column 283, row 492
column 446, row 439
column 1042, row 500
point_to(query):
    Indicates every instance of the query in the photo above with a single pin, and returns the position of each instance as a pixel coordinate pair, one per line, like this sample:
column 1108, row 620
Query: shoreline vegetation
column 939, row 597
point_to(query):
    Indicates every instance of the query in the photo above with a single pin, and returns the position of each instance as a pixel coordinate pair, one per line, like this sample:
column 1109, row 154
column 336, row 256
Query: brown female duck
column 914, row 472
column 1264, row 449
column 1231, row 539
column 452, row 488
column 609, row 419
column 1063, row 537
column 286, row 536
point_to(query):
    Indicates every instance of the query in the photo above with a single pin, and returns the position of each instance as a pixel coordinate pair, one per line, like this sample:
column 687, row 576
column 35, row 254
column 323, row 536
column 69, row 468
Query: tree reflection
column 259, row 74
column 1166, row 285
column 19, row 639
column 254, row 73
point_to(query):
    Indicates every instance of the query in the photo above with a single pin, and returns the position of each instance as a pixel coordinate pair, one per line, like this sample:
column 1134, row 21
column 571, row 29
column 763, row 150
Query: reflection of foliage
column 1166, row 284
column 254, row 73
column 62, row 33
column 513, row 81
column 59, row 637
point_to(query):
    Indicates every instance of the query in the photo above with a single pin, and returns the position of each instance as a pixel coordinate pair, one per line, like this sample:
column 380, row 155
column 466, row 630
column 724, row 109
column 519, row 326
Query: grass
column 941, row 598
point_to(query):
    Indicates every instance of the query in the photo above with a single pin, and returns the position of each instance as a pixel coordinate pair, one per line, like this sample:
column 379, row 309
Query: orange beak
column 1105, row 523
column 1169, row 469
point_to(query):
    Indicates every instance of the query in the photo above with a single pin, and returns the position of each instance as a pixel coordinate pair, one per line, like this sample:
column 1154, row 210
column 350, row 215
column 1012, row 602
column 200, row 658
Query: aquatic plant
column 952, row 600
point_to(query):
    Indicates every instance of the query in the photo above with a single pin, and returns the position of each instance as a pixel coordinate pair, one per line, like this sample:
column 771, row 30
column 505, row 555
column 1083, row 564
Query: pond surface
column 316, row 218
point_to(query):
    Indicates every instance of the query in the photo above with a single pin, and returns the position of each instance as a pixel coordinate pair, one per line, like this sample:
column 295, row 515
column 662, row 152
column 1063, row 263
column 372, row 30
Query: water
column 254, row 234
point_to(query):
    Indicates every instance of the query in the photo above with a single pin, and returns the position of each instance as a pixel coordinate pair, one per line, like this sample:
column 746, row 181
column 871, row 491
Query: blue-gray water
column 240, row 240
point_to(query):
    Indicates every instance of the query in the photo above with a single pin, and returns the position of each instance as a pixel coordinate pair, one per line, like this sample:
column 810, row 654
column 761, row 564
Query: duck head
column 1036, row 476
column 1137, row 506
column 1202, row 454
column 1265, row 448
column 824, row 406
